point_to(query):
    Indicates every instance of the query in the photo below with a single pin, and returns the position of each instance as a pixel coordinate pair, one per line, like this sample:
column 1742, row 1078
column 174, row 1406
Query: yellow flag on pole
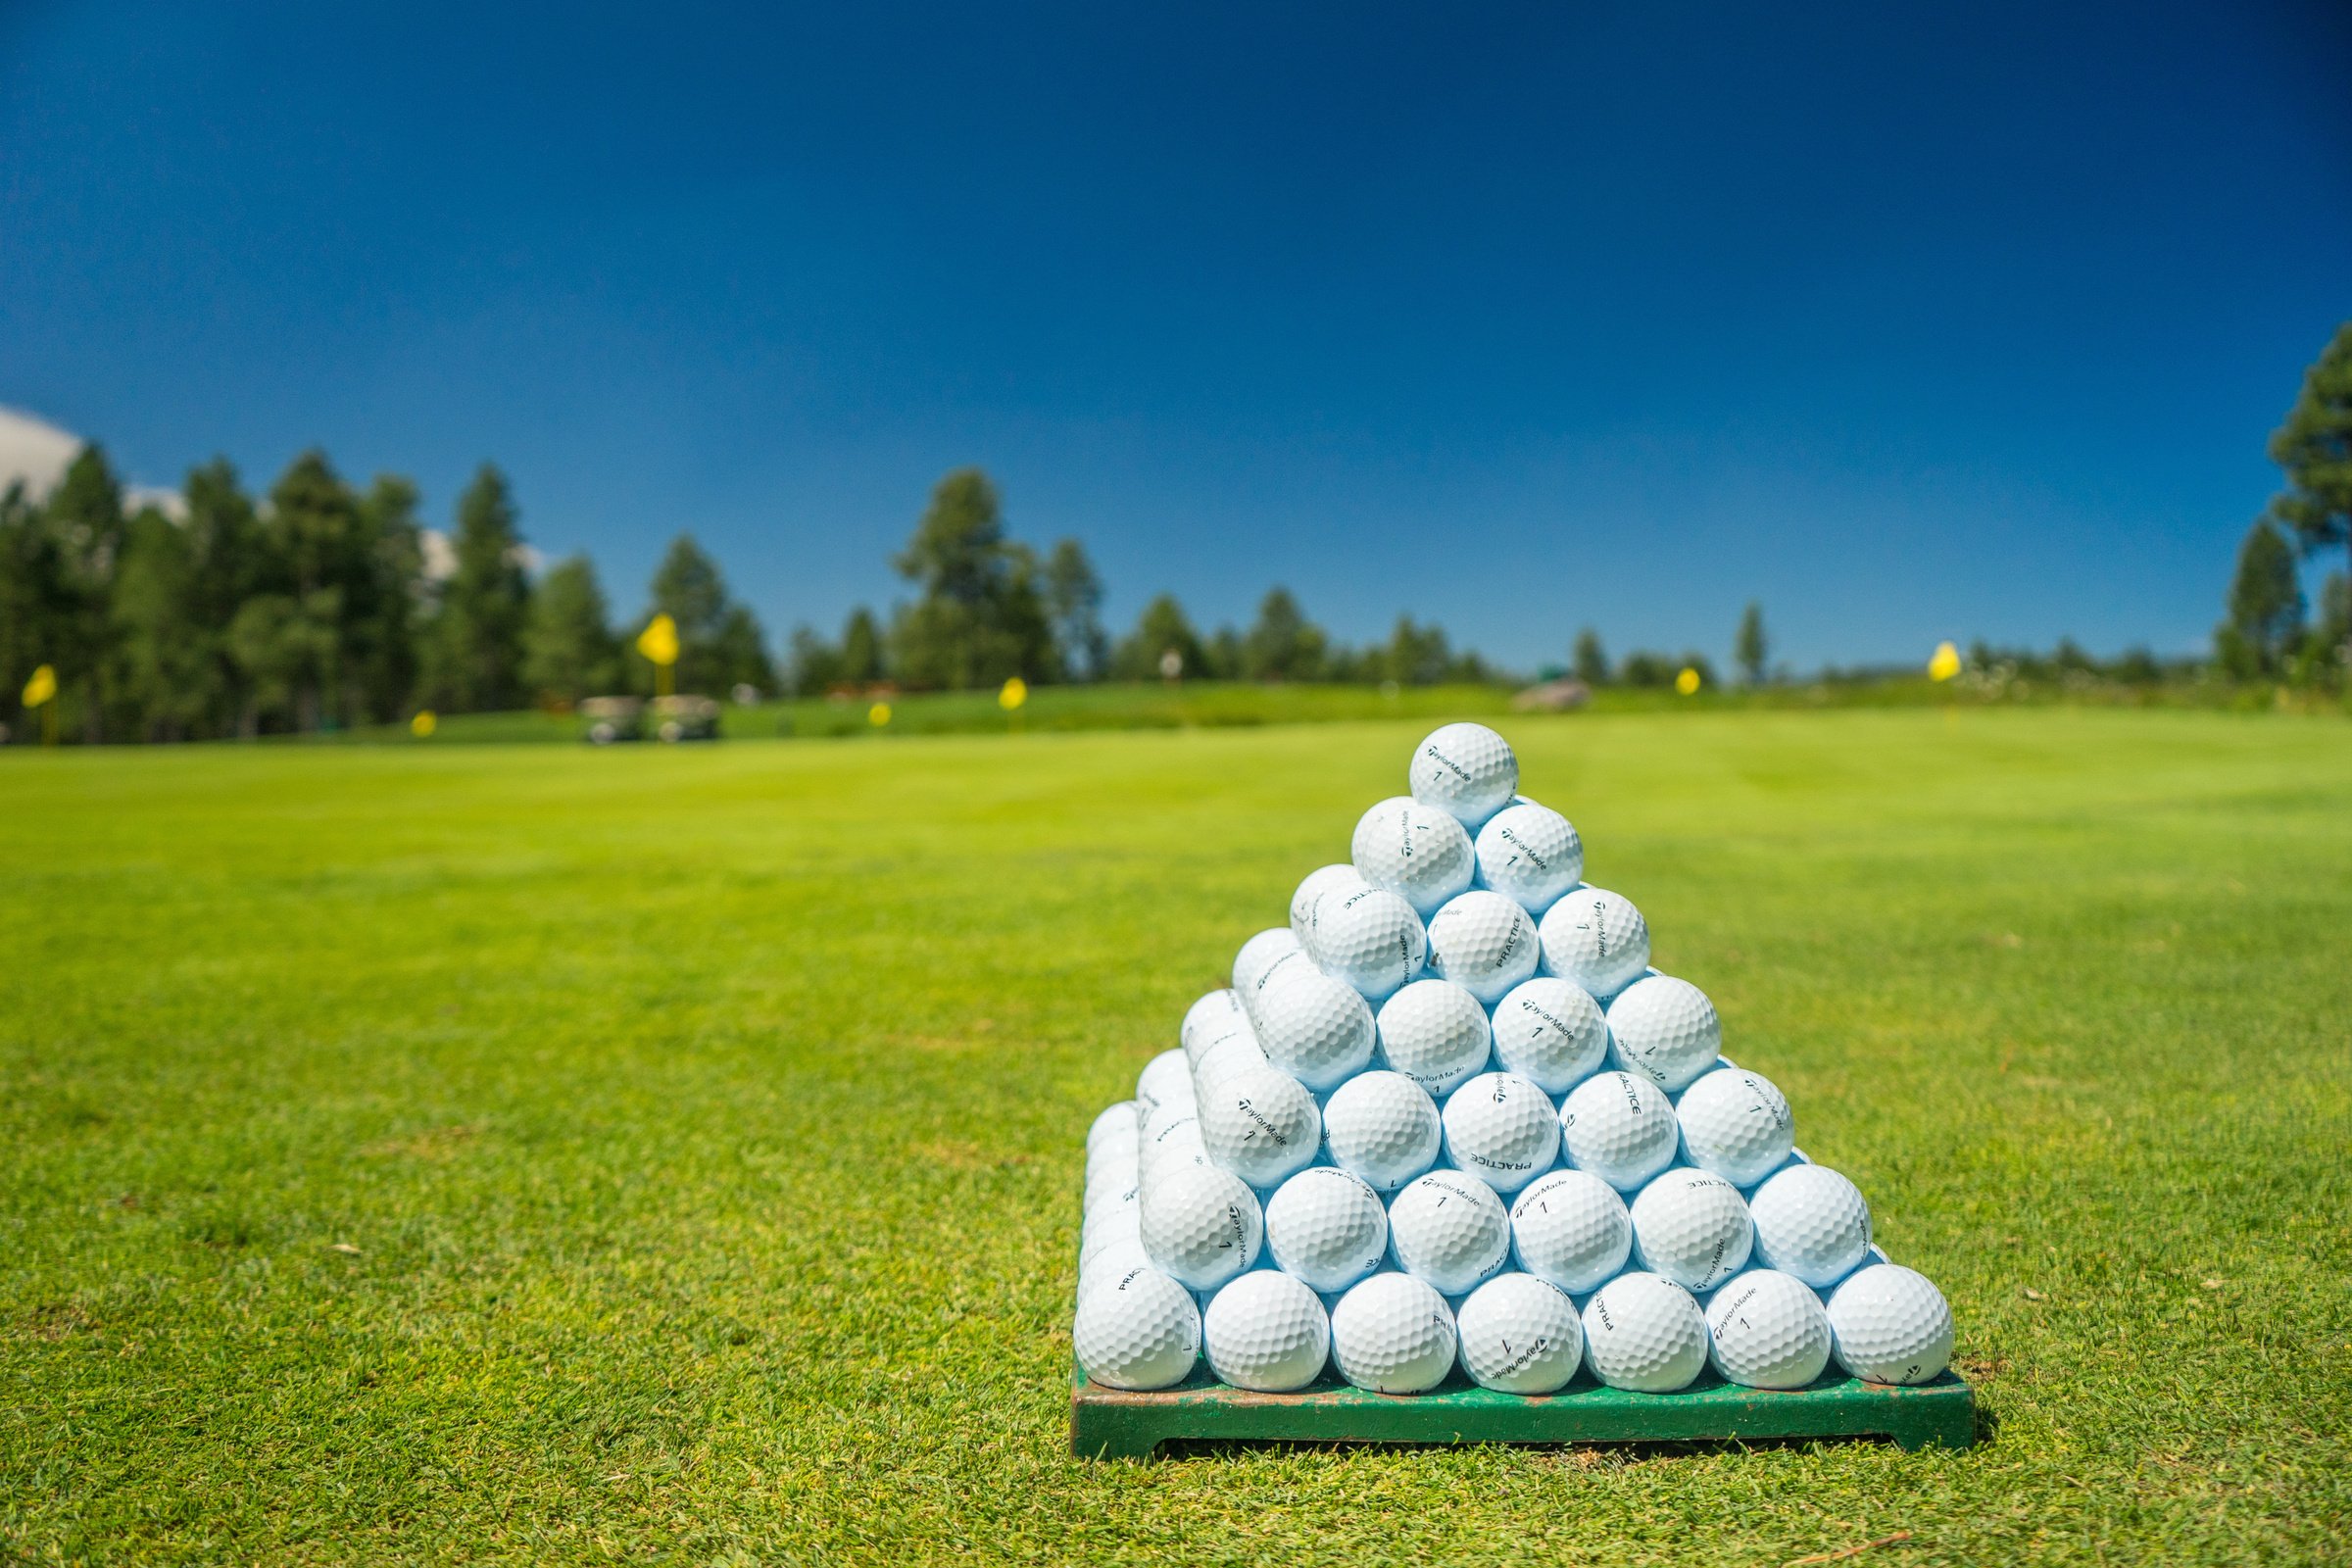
column 659, row 641
column 1014, row 694
column 43, row 687
column 1688, row 681
column 1947, row 662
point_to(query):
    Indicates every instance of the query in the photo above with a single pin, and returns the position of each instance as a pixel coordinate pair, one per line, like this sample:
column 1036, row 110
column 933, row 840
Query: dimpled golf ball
column 1214, row 1017
column 1113, row 1195
column 1519, row 1335
column 1166, row 1078
column 1270, row 953
column 1369, row 938
column 1484, row 942
column 1691, row 1228
column 1664, row 1029
column 1619, row 1127
column 1137, row 1330
column 1466, row 768
column 1597, row 939
column 1235, row 1054
column 1117, row 1122
column 1551, row 1032
column 1767, row 1330
column 1435, row 1033
column 1529, row 853
column 1266, row 1332
column 1571, row 1228
column 1261, row 1124
column 1114, row 1257
column 1810, row 1222
column 1097, row 1236
column 1416, row 851
column 1645, row 1334
column 1384, row 1127
column 1736, row 1125
column 1448, row 1228
column 1315, row 884
column 1891, row 1325
column 1502, row 1129
column 1201, row 1224
column 1392, row 1334
column 1316, row 1028
column 1327, row 1226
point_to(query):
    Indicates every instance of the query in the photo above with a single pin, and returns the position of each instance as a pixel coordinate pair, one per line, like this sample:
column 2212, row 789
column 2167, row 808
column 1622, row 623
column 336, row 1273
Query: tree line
column 2267, row 630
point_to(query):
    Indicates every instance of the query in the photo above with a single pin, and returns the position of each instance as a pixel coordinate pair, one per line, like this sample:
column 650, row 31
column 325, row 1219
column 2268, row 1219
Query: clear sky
column 1910, row 322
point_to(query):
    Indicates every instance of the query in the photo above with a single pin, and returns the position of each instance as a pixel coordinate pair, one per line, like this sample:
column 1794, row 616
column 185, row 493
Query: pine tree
column 2315, row 449
column 1751, row 647
column 1283, row 644
column 2265, row 606
column 568, row 650
column 1074, row 602
column 861, row 659
column 86, row 526
column 1161, row 629
column 1589, row 660
column 485, row 602
column 982, row 614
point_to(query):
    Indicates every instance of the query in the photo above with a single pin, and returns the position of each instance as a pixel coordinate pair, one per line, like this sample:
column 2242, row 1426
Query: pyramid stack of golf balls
column 1448, row 1115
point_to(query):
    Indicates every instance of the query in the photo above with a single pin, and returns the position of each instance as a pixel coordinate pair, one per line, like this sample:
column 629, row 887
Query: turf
column 507, row 1154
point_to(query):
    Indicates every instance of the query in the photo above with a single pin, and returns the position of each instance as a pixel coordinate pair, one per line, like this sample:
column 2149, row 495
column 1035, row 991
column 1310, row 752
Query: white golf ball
column 1236, row 1052
column 1214, row 1017
column 1891, row 1325
column 1645, row 1334
column 1448, row 1228
column 1261, row 1124
column 1551, row 1031
column 1384, row 1127
column 1330, row 895
column 1597, row 939
column 1484, row 942
column 1328, row 1227
column 1392, row 1334
column 1316, row 883
column 1266, row 1332
column 1691, row 1228
column 1502, row 1129
column 1166, row 1079
column 1519, row 1335
column 1317, row 1029
column 1767, row 1330
column 1435, row 1033
column 1736, row 1125
column 1109, row 1196
column 1201, row 1224
column 1258, row 951
column 1571, row 1228
column 1138, row 1330
column 1370, row 938
column 1530, row 854
column 1115, row 1257
column 1097, row 1236
column 1664, row 1029
column 1810, row 1222
column 1466, row 768
column 1118, row 1121
column 1416, row 851
column 1619, row 1127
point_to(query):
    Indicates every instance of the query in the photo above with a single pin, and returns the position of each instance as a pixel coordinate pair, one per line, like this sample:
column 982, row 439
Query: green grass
column 507, row 1154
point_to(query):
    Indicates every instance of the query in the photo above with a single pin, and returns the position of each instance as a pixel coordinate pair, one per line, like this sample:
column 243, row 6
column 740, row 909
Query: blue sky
column 1911, row 322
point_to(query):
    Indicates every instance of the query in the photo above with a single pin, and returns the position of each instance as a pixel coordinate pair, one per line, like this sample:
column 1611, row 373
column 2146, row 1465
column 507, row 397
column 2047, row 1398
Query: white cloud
column 37, row 453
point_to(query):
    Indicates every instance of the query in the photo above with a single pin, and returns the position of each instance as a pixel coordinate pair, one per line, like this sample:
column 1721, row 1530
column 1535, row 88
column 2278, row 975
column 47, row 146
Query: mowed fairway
column 448, row 1154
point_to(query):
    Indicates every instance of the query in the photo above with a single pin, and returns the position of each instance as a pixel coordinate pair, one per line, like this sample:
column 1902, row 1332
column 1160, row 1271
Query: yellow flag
column 1014, row 694
column 878, row 714
column 43, row 687
column 1688, row 681
column 425, row 723
column 659, row 641
column 1947, row 662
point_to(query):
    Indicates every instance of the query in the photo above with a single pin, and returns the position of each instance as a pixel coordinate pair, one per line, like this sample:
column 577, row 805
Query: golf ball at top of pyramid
column 1530, row 854
column 1483, row 942
column 1645, row 1334
column 1448, row 1228
column 1166, row 1078
column 1266, row 1332
column 1216, row 1016
column 1519, row 1335
column 1502, row 1129
column 1384, row 1127
column 1370, row 938
column 1571, row 1228
column 1597, row 939
column 1313, row 886
column 1315, row 1028
column 1691, row 1228
column 1891, row 1325
column 1260, row 954
column 1736, row 1125
column 1466, row 768
column 1549, row 1031
column 1261, row 1124
column 1664, row 1029
column 1201, row 1224
column 1416, row 851
column 1392, row 1334
column 1620, row 1127
column 1328, row 1227
column 1435, row 1033
column 1810, row 1222
column 1767, row 1330
column 1139, row 1330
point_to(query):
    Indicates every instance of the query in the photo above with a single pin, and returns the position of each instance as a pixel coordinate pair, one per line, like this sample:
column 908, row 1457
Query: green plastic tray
column 1114, row 1424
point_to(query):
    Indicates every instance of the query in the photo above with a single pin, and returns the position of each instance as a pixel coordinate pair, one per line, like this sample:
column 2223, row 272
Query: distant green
column 498, row 1153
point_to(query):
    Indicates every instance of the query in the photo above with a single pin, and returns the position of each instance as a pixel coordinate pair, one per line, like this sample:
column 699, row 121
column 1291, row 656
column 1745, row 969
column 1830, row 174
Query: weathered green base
column 1109, row 1423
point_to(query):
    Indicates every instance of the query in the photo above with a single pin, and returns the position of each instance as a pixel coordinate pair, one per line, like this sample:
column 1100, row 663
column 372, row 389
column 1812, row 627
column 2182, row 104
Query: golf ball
column 1261, row 1124
column 1664, row 1029
column 1317, row 882
column 1435, row 1033
column 1138, row 1330
column 1891, row 1325
column 1736, row 1125
column 1810, row 1222
column 1501, row 1128
column 1234, row 1053
column 1571, row 1228
column 1114, row 1256
column 1416, row 851
column 1330, row 895
column 1096, row 1236
column 1317, row 1029
column 1597, row 939
column 1530, row 854
column 1214, row 1017
column 1392, row 1334
column 1551, row 1031
column 1691, row 1228
column 1519, row 1335
column 1327, row 1226
column 1448, row 1228
column 1370, row 938
column 1483, row 942
column 1767, row 1330
column 1384, row 1127
column 1166, row 1078
column 1466, row 768
column 1270, row 953
column 1266, row 1332
column 1201, row 1224
column 1118, row 1121
column 1619, row 1127
column 1645, row 1334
